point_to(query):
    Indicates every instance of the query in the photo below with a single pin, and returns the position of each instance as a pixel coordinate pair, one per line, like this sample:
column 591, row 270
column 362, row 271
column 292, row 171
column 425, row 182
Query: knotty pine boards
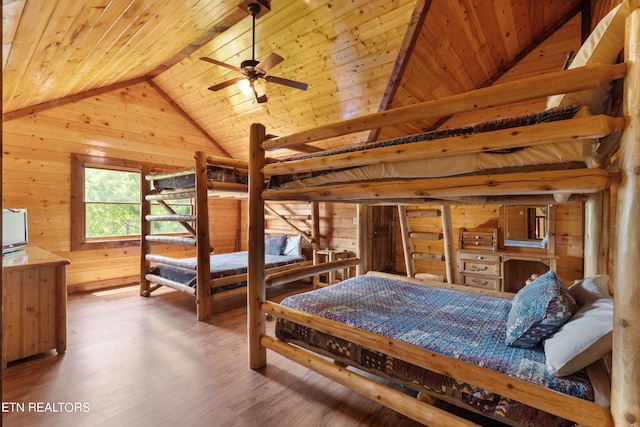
column 134, row 123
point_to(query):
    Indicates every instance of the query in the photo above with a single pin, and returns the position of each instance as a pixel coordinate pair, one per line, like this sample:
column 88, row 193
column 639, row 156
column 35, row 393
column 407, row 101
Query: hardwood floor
column 134, row 361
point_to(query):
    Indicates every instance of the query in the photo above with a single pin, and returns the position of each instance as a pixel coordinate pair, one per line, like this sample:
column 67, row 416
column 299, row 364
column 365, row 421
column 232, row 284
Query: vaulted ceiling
column 358, row 56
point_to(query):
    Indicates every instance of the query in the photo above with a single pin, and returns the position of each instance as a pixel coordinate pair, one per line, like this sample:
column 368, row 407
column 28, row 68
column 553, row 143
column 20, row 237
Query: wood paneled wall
column 337, row 228
column 133, row 123
column 569, row 238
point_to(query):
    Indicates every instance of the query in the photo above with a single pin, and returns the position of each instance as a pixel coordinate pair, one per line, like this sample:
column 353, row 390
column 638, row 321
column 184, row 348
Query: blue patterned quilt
column 466, row 326
column 221, row 265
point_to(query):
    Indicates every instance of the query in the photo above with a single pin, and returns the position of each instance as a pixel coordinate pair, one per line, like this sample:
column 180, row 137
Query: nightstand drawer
column 478, row 239
column 484, row 268
column 479, row 257
column 481, row 282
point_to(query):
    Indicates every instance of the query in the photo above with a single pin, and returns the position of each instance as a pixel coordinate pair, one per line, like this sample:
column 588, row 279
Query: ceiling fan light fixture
column 245, row 87
column 260, row 90
column 253, row 82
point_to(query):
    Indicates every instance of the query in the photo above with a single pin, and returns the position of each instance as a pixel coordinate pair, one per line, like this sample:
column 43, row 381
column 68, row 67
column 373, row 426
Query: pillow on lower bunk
column 538, row 310
column 293, row 246
column 588, row 336
column 273, row 245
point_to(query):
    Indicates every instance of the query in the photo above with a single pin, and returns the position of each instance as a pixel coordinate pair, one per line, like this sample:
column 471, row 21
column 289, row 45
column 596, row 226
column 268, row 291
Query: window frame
column 79, row 162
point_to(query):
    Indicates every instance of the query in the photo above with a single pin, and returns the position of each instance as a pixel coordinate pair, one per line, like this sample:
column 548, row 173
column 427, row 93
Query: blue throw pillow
column 538, row 310
column 273, row 245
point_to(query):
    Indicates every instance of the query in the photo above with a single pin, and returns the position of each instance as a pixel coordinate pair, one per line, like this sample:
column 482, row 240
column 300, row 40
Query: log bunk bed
column 207, row 276
column 616, row 167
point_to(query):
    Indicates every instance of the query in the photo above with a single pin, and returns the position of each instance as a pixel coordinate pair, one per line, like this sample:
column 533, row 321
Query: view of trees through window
column 112, row 205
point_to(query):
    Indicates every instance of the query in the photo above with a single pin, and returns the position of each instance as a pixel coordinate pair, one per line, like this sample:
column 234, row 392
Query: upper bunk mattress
column 564, row 152
column 465, row 326
column 214, row 173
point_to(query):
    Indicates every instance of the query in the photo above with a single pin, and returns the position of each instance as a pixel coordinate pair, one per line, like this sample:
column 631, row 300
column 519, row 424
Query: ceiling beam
column 413, row 30
column 69, row 99
column 532, row 46
column 190, row 119
column 404, row 54
column 586, row 19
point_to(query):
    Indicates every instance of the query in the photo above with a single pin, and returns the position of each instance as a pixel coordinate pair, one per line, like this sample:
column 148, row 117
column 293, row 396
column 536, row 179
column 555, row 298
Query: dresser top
column 31, row 256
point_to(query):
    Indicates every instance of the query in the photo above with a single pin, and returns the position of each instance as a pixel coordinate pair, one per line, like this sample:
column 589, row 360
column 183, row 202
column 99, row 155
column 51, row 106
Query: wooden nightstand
column 328, row 255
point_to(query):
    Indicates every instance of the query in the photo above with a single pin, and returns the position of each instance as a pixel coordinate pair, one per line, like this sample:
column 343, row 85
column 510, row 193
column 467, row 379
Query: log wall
column 133, row 123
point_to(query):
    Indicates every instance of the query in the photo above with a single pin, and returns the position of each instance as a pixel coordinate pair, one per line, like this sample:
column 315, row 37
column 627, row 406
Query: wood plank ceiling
column 357, row 56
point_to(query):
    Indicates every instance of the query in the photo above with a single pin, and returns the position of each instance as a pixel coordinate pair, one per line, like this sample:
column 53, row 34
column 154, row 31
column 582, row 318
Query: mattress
column 221, row 265
column 465, row 326
column 214, row 173
column 572, row 151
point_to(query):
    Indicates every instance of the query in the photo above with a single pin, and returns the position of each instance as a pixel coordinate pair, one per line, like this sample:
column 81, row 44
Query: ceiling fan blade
column 269, row 62
column 222, row 64
column 287, row 82
column 225, row 84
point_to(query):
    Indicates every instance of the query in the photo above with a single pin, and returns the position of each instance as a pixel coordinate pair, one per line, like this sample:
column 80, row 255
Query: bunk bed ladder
column 198, row 236
column 410, row 239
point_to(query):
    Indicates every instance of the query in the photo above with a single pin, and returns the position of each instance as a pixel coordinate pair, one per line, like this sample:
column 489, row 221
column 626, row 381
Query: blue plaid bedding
column 221, row 265
column 466, row 326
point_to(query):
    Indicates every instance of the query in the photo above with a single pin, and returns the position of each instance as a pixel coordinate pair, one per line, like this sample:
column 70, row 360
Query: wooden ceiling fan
column 253, row 71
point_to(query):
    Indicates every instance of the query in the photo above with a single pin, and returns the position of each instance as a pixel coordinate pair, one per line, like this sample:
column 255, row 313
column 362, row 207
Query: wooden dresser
column 480, row 269
column 482, row 264
column 478, row 265
column 34, row 291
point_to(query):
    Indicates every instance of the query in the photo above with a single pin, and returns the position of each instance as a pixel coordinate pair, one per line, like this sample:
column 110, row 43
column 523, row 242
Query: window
column 106, row 203
column 112, row 203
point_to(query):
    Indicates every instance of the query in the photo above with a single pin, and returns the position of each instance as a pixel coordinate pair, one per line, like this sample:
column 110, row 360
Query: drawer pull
column 476, row 243
column 482, row 268
column 477, row 237
column 480, row 282
column 479, row 257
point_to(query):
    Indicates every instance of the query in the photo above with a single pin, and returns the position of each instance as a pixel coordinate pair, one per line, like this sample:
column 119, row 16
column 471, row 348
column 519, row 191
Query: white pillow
column 588, row 335
column 590, row 289
column 293, row 246
column 601, row 47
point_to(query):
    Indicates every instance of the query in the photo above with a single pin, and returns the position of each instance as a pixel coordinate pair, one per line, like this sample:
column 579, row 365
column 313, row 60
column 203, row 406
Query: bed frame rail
column 525, row 136
column 396, row 400
column 491, row 96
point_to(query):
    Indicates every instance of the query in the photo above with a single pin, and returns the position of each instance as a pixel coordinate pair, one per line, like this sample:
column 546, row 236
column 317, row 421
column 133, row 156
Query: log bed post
column 625, row 387
column 592, row 231
column 256, row 293
column 315, row 238
column 605, row 221
column 203, row 244
column 145, row 230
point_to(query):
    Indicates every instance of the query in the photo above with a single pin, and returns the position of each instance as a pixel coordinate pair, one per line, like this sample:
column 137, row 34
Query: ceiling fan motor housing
column 248, row 68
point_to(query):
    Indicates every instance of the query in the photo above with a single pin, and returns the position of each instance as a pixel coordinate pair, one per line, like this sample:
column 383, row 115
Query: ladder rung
column 170, row 283
column 185, row 193
column 175, row 240
column 427, row 257
column 188, row 263
column 426, row 235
